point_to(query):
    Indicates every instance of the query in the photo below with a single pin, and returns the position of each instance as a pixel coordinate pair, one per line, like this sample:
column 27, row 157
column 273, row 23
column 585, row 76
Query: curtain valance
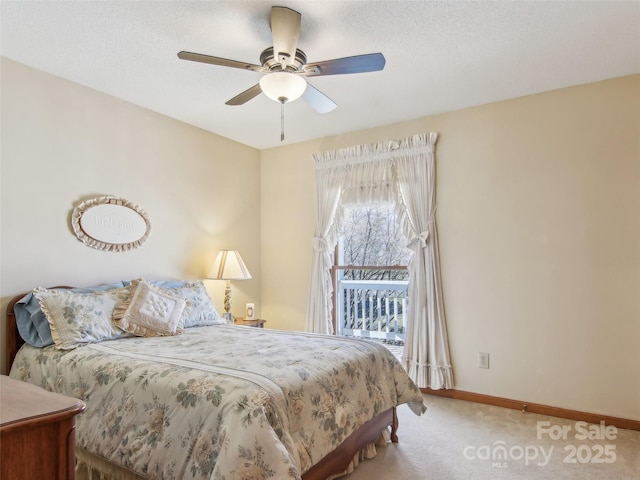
column 371, row 153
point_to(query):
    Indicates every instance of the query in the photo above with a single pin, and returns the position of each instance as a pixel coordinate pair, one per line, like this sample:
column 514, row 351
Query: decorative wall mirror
column 110, row 223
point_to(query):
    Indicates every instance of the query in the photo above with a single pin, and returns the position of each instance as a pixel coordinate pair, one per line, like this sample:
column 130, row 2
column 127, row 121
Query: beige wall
column 539, row 223
column 63, row 143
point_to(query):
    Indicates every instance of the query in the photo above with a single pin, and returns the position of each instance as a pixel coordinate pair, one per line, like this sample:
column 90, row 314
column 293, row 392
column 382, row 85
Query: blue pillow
column 161, row 283
column 31, row 321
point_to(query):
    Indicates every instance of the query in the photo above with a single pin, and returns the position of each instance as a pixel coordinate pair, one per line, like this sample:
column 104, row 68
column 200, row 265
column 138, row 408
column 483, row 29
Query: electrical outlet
column 483, row 360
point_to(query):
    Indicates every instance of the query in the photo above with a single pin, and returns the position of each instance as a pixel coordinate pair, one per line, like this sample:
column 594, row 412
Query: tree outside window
column 371, row 299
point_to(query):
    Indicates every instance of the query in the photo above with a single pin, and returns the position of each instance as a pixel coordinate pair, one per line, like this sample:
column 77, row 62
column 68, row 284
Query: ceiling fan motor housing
column 272, row 64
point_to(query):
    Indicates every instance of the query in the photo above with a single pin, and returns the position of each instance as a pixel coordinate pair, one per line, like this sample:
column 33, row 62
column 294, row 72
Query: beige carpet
column 455, row 439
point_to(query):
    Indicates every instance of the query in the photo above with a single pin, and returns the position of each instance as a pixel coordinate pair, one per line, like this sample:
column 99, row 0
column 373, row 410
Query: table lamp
column 228, row 266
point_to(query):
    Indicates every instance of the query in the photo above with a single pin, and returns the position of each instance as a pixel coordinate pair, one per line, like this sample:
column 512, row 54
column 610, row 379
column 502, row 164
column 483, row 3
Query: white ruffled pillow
column 151, row 311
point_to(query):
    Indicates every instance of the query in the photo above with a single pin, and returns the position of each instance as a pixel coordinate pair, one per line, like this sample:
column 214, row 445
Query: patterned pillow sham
column 151, row 311
column 31, row 321
column 77, row 318
column 203, row 311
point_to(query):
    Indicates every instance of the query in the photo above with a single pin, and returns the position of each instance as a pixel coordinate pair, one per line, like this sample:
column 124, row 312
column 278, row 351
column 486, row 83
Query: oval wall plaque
column 110, row 223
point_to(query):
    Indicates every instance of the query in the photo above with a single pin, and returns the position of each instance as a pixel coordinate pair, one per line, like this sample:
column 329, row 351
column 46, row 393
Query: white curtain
column 402, row 172
column 426, row 351
column 328, row 192
column 352, row 175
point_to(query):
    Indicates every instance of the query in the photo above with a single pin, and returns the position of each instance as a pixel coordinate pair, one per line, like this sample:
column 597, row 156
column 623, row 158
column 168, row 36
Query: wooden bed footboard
column 338, row 460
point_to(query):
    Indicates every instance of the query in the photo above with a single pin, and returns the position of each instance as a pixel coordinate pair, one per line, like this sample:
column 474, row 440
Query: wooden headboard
column 13, row 340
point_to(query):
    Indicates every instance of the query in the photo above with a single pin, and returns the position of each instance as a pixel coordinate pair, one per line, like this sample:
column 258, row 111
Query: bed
column 215, row 401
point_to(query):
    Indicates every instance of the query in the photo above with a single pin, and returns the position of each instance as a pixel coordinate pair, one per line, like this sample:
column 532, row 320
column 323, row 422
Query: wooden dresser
column 37, row 432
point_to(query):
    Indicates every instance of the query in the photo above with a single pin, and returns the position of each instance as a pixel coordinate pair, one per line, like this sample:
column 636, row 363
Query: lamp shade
column 228, row 265
column 283, row 86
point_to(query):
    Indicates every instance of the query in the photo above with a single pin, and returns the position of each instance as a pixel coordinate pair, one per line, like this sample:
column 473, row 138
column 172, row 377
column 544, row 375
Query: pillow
column 31, row 321
column 151, row 311
column 203, row 311
column 161, row 283
column 78, row 318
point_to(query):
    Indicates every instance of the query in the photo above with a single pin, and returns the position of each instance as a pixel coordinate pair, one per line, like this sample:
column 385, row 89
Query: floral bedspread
column 221, row 402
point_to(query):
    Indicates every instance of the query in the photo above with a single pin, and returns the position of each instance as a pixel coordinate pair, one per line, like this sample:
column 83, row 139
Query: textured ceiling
column 440, row 56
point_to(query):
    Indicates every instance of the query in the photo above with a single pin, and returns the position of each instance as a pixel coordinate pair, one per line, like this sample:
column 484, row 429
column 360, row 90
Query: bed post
column 13, row 340
column 394, row 426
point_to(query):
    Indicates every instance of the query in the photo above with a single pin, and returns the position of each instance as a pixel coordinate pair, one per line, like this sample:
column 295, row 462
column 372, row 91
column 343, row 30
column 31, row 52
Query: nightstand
column 256, row 322
column 37, row 432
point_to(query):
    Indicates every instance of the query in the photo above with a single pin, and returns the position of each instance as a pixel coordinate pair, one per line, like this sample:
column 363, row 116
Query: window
column 370, row 274
column 383, row 172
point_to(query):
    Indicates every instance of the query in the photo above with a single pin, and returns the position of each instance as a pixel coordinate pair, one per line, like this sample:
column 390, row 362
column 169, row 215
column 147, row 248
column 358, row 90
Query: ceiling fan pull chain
column 282, row 121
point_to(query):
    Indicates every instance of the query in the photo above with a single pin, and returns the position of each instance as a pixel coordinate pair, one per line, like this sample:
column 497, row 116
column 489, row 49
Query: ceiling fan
column 284, row 65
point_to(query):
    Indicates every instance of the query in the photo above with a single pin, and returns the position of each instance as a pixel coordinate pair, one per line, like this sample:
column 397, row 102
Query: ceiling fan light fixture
column 283, row 87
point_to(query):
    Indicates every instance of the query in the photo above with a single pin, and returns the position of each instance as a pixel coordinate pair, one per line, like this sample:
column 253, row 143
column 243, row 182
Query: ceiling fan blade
column 223, row 62
column 318, row 100
column 285, row 30
column 371, row 62
column 245, row 96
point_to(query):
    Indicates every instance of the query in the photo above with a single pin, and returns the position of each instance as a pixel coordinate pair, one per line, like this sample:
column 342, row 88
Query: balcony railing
column 371, row 309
